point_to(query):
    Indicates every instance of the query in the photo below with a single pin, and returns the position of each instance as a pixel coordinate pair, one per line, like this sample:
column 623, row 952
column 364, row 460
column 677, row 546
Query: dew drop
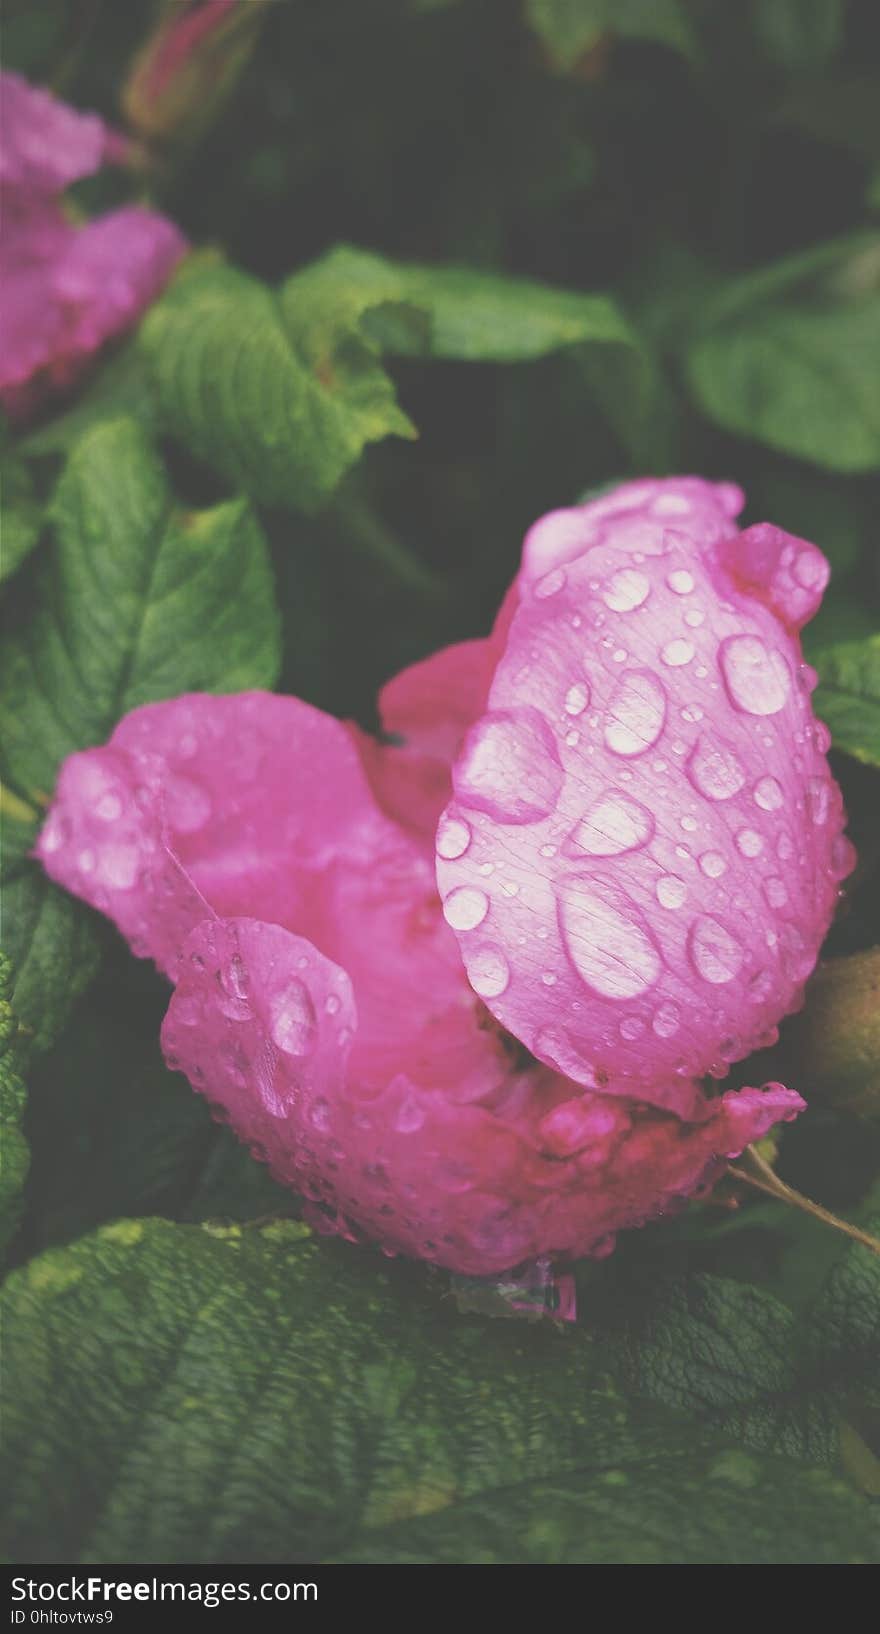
column 292, row 1019
column 636, row 714
column 632, row 1027
column 465, row 908
column 714, row 770
column 671, row 891
column 453, row 838
column 109, row 808
column 667, row 1020
column 671, row 505
column 510, row 767
column 608, row 946
column 187, row 805
column 576, row 698
column 626, row 589
column 488, row 972
column 757, row 680
column 694, row 618
column 818, row 800
column 550, row 584
column 749, row 842
column 775, row 892
column 613, row 824
column 681, row 581
column 410, row 1116
column 768, row 794
column 119, row 866
column 86, row 861
column 676, row 653
column 713, row 864
column 716, row 955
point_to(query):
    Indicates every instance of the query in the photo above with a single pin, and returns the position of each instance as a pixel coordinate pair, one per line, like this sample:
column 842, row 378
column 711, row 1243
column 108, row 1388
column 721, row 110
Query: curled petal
column 646, row 830
column 263, row 1025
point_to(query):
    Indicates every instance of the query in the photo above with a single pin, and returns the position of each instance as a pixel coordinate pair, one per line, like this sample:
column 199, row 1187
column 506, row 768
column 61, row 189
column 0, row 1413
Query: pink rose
column 638, row 867
column 66, row 289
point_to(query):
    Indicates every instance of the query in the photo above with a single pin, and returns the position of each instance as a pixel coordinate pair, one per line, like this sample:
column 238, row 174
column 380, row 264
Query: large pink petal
column 260, row 805
column 263, row 1024
column 645, row 845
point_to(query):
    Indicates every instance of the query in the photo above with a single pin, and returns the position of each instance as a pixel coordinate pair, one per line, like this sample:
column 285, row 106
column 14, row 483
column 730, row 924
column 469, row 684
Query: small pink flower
column 66, row 289
column 635, row 761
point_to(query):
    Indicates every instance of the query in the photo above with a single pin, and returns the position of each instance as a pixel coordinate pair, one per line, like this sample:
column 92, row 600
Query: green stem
column 760, row 1175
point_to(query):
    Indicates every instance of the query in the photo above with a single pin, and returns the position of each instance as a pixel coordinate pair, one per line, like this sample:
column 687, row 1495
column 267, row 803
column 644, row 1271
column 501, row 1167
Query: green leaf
column 14, row 1156
column 569, row 28
column 120, row 389
column 138, row 600
column 20, row 515
column 740, row 1360
column 236, row 386
column 184, row 1393
column 848, row 696
column 113, row 1132
column 282, row 393
column 787, row 355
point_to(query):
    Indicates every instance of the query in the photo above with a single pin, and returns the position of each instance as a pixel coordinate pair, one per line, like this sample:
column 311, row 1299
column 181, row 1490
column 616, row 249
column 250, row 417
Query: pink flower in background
column 638, row 868
column 66, row 289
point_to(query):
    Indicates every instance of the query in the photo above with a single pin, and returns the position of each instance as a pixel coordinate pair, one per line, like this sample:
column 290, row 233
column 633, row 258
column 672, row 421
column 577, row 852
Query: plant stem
column 762, row 1178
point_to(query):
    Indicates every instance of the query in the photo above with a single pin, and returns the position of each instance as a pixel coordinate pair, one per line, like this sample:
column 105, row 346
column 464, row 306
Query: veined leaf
column 185, row 1393
column 848, row 696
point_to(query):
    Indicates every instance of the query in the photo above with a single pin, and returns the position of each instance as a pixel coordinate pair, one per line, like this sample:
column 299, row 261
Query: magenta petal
column 430, row 706
column 44, row 144
column 645, row 840
column 262, row 1024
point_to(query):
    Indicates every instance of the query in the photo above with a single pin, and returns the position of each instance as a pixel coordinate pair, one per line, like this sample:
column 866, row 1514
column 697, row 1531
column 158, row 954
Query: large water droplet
column 715, row 770
column 713, row 864
column 612, row 824
column 671, row 891
column 768, row 794
column 453, row 838
column 292, row 1019
column 465, row 908
column 488, row 972
column 636, row 714
column 626, row 589
column 677, row 653
column 757, row 679
column 716, row 955
column 775, row 892
column 510, row 767
column 576, row 698
column 118, row 866
column 608, row 946
column 749, row 842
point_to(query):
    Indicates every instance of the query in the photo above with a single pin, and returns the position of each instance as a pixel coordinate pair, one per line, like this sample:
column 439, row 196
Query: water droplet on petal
column 510, row 767
column 626, row 589
column 757, row 680
column 716, row 955
column 119, row 866
column 576, row 698
column 676, row 653
column 550, row 584
column 715, row 770
column 55, row 833
column 609, row 948
column 465, row 908
column 694, row 617
column 636, row 714
column 713, row 864
column 671, row 891
column 775, row 892
column 453, row 838
column 86, row 861
column 611, row 825
column 188, row 806
column 768, row 794
column 488, row 972
column 667, row 1020
column 681, row 581
column 818, row 800
column 109, row 808
column 749, row 842
column 292, row 1019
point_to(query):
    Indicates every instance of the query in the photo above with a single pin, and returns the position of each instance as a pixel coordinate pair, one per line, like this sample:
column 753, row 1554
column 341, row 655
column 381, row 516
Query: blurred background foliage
column 704, row 179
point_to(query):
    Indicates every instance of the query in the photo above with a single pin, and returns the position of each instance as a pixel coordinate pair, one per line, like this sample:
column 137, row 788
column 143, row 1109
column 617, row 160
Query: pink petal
column 263, row 1024
column 646, row 834
column 44, row 144
column 259, row 805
